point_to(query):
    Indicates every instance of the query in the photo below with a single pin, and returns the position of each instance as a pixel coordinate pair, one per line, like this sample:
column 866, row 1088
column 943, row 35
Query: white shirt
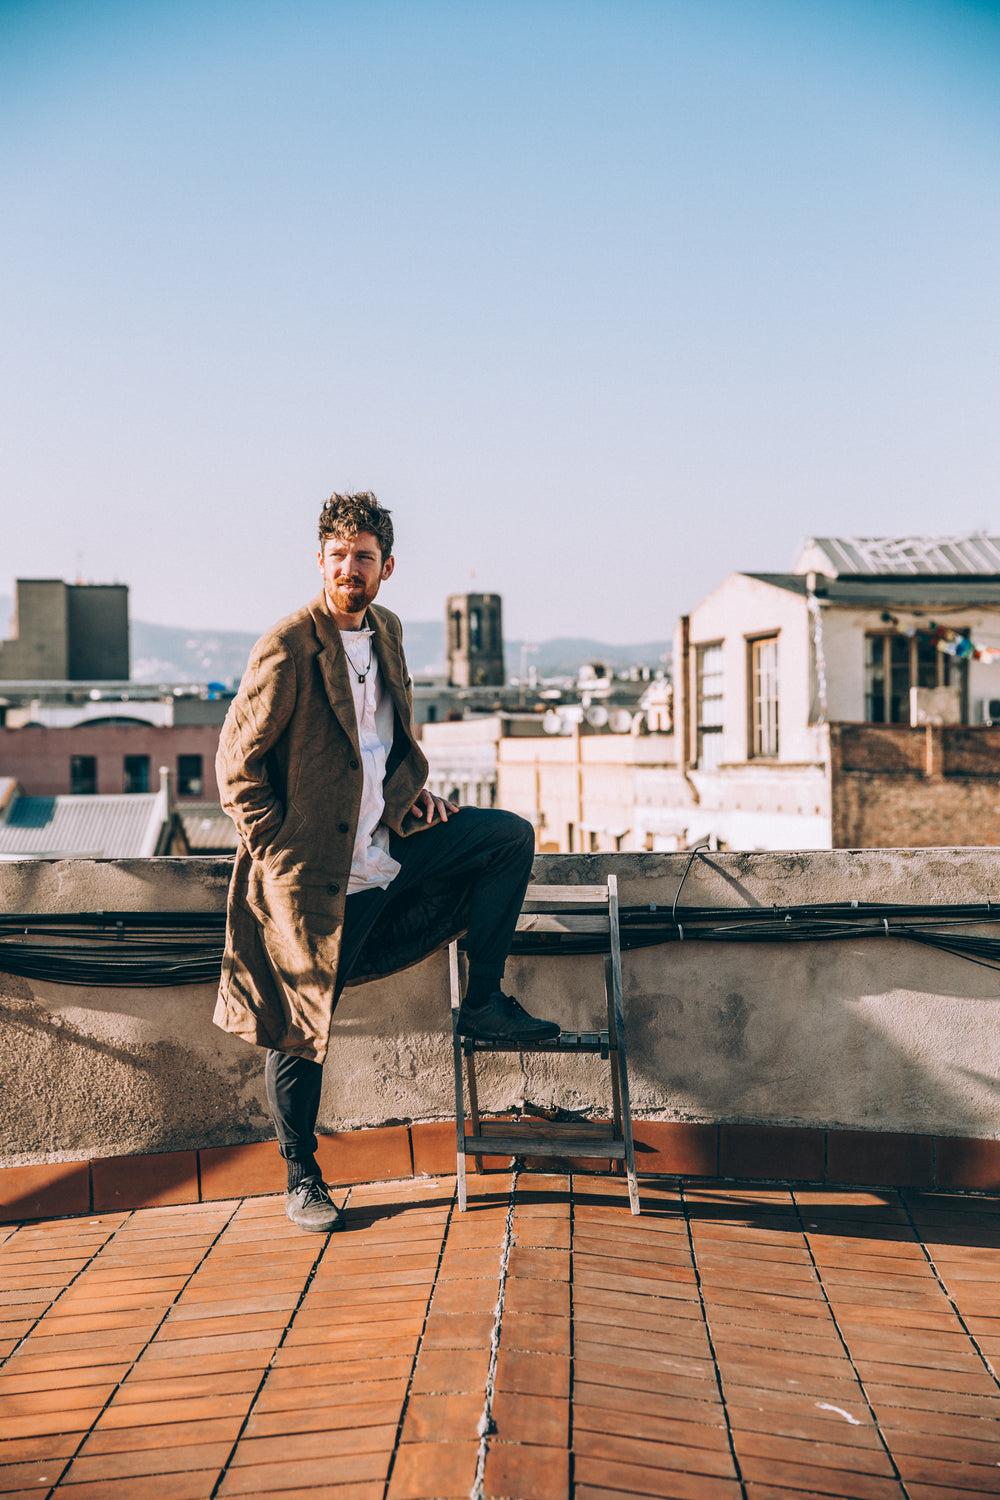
column 371, row 862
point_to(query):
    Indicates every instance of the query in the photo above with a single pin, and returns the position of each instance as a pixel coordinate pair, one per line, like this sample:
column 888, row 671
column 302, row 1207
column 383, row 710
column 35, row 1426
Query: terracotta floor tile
column 767, row 1305
column 321, row 1416
column 343, row 1372
column 542, row 1473
column 907, row 1426
column 531, row 1262
column 819, row 1421
column 451, row 1417
column 433, row 1471
column 900, row 1405
column 162, row 1434
column 619, row 1403
column 189, row 1486
column 67, row 1398
column 953, row 1477
column 781, row 1492
column 539, row 1332
column 841, row 1482
column 954, row 1446
column 539, row 1420
column 69, row 1360
column 80, row 1419
column 908, row 1353
column 600, row 1305
column 331, row 1443
column 257, row 1479
column 532, row 1374
column 539, row 1229
column 599, row 1476
column 851, row 1458
column 454, row 1331
column 615, row 1448
column 163, row 1364
column 466, row 1296
column 662, row 1382
column 32, row 1477
column 221, row 1383
column 640, row 1423
column 122, row 1414
column 531, row 1296
column 472, row 1262
column 68, row 1380
column 286, row 1395
column 838, row 1397
column 972, row 1382
column 641, row 1361
column 446, row 1371
column 691, row 1343
column 330, row 1345
column 147, row 1461
column 229, row 1343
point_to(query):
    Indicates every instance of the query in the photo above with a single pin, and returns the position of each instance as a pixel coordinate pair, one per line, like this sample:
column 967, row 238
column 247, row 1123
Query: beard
column 351, row 595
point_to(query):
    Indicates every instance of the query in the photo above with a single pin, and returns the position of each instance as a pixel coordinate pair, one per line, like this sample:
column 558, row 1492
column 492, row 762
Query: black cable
column 149, row 949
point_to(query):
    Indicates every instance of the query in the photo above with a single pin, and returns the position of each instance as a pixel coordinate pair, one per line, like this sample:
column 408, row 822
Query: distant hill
column 170, row 653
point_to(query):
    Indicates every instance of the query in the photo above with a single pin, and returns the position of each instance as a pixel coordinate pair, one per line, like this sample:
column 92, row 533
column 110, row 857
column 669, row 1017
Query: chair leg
column 622, row 1059
column 617, row 1167
column 470, row 1068
column 456, row 1042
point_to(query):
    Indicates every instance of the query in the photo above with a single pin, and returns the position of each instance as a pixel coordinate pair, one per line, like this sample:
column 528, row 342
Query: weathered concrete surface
column 873, row 1033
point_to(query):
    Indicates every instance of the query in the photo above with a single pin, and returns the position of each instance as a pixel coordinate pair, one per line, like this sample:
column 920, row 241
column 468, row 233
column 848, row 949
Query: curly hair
column 347, row 515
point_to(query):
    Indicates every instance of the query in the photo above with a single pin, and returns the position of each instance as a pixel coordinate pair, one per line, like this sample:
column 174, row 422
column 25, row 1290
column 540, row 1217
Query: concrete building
column 474, row 635
column 830, row 708
column 67, row 631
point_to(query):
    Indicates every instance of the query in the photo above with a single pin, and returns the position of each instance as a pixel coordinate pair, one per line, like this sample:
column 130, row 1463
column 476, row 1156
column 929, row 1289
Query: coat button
column 343, row 827
column 333, row 887
column 354, row 765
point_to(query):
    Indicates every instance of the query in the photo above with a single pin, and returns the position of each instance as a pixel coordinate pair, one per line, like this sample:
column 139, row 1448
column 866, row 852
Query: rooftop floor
column 733, row 1341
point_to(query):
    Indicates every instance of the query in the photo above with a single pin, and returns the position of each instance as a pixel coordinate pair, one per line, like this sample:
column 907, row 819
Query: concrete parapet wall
column 868, row 1034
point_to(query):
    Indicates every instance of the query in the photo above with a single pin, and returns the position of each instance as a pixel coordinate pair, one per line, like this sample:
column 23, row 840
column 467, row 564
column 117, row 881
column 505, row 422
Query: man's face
column 353, row 571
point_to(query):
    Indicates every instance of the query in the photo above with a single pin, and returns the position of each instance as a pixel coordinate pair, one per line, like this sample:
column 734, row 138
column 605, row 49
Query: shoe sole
column 500, row 1036
column 338, row 1223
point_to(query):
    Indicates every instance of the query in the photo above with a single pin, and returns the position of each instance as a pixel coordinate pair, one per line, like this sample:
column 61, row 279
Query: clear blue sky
column 605, row 299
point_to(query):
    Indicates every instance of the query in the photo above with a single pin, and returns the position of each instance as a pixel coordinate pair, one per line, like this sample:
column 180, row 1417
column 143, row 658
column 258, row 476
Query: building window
column 475, row 630
column 895, row 663
column 710, row 706
column 189, row 776
column 764, row 696
column 137, row 773
column 83, row 775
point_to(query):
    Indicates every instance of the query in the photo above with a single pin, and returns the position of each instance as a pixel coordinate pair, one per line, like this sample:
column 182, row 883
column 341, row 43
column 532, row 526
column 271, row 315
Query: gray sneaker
column 309, row 1206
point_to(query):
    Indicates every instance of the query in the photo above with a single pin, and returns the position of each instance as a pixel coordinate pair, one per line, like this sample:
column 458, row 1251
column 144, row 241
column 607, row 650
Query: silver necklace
column 361, row 675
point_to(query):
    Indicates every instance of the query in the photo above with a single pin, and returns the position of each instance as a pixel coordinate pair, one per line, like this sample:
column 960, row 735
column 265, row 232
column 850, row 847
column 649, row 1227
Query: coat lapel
column 390, row 667
column 332, row 660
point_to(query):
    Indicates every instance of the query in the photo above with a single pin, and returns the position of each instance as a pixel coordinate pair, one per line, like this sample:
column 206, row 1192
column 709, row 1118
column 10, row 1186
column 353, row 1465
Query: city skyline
column 605, row 302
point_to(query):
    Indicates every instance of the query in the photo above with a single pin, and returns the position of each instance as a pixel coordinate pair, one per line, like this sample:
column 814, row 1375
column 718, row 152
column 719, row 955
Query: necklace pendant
column 362, row 676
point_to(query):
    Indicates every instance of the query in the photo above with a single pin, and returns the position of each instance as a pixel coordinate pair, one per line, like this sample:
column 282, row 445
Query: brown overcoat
column 289, row 771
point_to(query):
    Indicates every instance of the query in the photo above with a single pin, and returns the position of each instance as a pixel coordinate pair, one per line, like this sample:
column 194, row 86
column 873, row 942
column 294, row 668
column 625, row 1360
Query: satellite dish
column 551, row 722
column 620, row 720
column 596, row 716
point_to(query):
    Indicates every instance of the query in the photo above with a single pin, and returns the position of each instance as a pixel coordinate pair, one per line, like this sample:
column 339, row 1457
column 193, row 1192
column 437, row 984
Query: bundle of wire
column 149, row 949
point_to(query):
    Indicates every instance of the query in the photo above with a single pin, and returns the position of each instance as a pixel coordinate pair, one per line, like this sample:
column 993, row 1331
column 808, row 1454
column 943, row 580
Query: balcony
column 805, row 1306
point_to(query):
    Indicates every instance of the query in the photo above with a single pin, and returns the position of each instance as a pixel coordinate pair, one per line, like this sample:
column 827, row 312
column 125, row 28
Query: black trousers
column 494, row 850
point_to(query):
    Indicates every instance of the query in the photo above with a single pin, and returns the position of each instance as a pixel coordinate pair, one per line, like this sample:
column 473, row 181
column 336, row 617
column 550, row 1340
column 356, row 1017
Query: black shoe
column 501, row 1019
column 309, row 1206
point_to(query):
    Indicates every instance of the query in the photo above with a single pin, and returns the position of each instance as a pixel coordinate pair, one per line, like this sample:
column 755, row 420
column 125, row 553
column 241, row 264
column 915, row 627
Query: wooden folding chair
column 555, row 908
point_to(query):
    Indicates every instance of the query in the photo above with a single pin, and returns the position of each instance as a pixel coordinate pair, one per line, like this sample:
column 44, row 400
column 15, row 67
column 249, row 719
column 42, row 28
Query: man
column 348, row 866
